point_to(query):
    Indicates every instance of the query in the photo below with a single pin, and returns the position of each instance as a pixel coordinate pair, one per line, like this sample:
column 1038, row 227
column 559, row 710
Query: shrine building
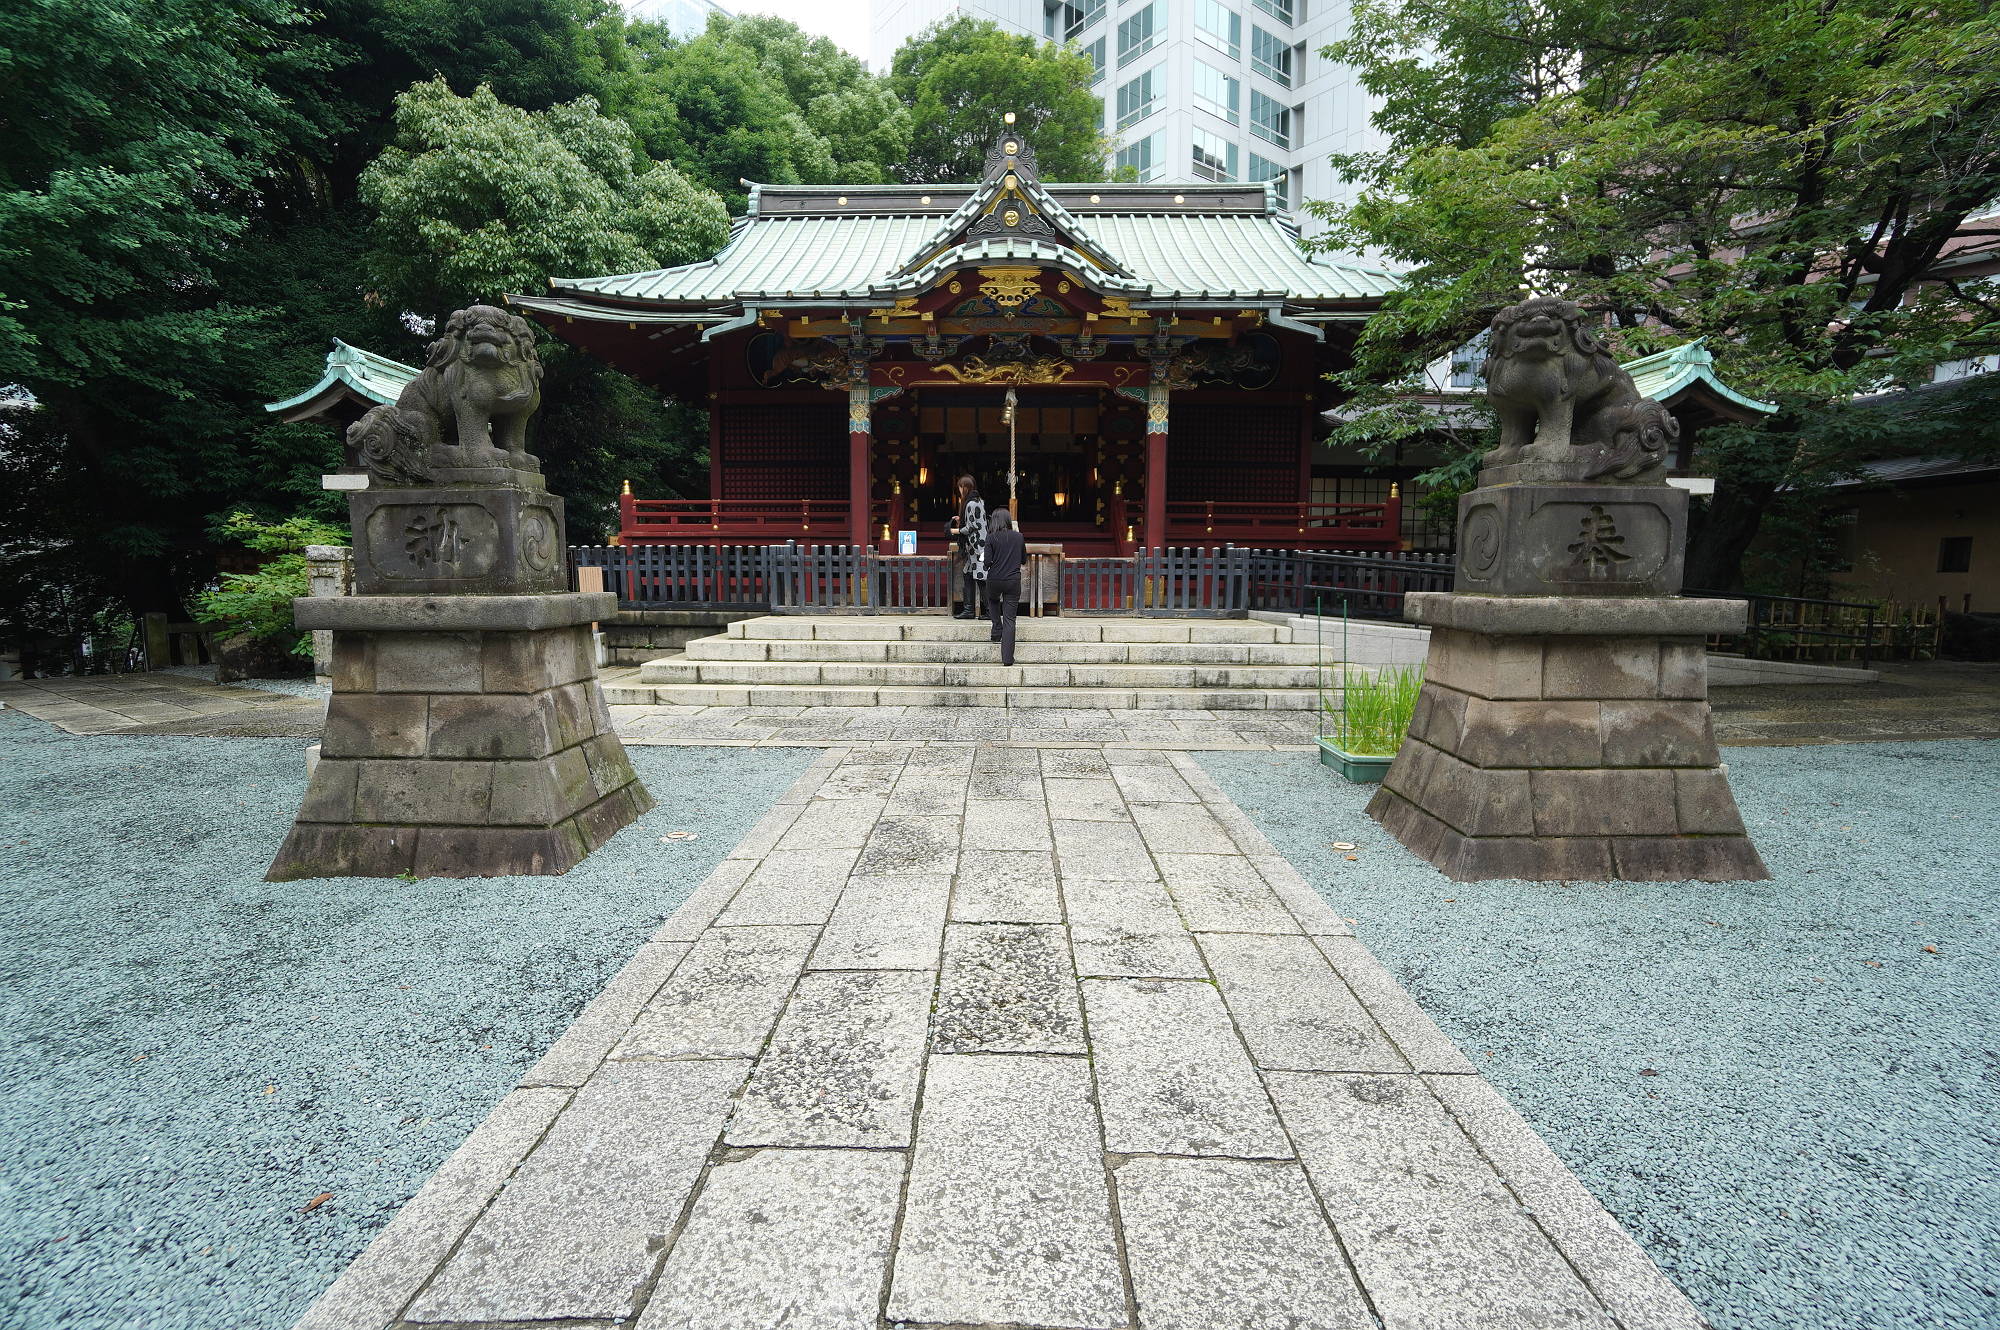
column 1155, row 358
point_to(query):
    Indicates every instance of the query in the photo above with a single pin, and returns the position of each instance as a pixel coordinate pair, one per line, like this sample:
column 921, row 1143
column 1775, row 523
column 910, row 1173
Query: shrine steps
column 929, row 660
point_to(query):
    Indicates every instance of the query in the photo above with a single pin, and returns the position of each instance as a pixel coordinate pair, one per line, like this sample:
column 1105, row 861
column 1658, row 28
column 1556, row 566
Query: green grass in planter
column 1375, row 709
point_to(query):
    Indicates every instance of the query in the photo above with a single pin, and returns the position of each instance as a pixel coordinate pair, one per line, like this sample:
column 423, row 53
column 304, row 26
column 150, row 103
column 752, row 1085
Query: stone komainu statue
column 1562, row 398
column 469, row 406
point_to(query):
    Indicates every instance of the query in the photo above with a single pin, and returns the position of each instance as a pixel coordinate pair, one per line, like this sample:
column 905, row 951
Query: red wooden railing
column 739, row 521
column 1348, row 525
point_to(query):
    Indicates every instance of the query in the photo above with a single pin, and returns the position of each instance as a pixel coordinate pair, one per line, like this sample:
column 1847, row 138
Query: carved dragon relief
column 1036, row 370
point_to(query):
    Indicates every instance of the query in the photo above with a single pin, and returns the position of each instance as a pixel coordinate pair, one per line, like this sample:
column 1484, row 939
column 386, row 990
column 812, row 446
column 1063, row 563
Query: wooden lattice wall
column 1245, row 454
column 784, row 452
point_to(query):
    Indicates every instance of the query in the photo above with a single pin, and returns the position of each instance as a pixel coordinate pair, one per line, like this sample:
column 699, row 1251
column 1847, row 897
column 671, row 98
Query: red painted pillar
column 714, row 450
column 857, row 465
column 1156, row 466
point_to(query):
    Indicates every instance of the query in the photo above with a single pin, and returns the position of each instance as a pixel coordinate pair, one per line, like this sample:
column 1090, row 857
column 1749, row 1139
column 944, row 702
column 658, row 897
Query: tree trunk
column 1719, row 537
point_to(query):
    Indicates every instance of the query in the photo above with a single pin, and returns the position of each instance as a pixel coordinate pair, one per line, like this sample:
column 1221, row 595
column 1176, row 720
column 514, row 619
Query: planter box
column 1362, row 768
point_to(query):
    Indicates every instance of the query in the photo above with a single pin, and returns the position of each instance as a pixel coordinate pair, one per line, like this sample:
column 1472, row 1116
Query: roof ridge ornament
column 1010, row 202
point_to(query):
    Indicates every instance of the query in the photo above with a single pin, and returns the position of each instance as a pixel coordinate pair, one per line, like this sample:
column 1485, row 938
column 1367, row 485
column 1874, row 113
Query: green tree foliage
column 962, row 75
column 1779, row 178
column 140, row 133
column 533, row 54
column 476, row 199
column 260, row 603
column 759, row 99
column 865, row 129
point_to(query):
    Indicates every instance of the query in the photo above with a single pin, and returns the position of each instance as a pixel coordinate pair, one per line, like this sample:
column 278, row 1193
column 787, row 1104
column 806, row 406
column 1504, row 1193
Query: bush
column 259, row 604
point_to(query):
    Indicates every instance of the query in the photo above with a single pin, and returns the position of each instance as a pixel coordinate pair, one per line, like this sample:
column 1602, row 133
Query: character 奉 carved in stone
column 1561, row 398
column 468, row 408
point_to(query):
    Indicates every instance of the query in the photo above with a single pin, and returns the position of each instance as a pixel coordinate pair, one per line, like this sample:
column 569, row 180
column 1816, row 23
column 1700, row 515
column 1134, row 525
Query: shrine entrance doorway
column 1073, row 449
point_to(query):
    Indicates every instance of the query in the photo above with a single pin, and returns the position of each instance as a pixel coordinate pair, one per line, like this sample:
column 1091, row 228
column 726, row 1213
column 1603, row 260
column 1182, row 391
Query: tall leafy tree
column 759, row 99
column 1783, row 179
column 140, row 133
column 961, row 76
column 710, row 108
column 865, row 129
column 476, row 200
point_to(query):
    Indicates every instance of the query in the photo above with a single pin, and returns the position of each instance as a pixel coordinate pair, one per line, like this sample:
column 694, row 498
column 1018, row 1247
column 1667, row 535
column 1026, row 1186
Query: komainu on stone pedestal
column 1563, row 729
column 467, row 735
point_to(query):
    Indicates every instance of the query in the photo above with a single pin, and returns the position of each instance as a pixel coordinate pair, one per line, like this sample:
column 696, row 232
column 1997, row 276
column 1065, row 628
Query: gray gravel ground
column 190, row 1055
column 1779, row 1091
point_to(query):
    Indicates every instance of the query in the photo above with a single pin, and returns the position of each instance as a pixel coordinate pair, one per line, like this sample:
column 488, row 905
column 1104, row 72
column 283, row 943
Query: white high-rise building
column 1231, row 90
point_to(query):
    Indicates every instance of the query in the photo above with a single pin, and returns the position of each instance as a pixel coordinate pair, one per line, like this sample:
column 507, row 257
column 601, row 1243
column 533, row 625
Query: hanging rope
column 1013, row 505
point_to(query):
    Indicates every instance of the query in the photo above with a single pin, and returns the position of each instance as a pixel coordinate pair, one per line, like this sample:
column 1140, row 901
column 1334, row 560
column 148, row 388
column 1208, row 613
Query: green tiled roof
column 1665, row 373
column 799, row 243
column 349, row 369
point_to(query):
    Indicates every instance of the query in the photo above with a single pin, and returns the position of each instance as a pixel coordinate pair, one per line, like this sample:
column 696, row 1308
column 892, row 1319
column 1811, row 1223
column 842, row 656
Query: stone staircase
column 932, row 661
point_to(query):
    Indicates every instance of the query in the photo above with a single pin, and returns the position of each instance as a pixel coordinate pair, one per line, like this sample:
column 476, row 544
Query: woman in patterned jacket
column 968, row 528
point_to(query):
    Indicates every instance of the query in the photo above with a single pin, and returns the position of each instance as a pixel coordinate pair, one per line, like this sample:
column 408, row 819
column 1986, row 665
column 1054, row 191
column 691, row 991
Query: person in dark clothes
column 968, row 528
column 1006, row 551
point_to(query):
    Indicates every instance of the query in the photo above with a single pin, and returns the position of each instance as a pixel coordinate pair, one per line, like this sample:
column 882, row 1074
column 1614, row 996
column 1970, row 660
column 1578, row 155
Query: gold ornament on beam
column 1010, row 288
column 977, row 370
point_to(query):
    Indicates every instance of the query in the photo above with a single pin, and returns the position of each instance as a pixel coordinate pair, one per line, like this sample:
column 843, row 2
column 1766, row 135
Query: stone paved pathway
column 988, row 1036
column 160, row 704
column 845, row 726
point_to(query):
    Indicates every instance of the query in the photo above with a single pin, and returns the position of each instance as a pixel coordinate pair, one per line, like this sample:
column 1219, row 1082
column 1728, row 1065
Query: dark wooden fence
column 1830, row 632
column 1228, row 581
column 1367, row 586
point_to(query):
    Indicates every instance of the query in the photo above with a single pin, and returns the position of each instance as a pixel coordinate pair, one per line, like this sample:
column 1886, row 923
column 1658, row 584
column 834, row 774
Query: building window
column 1147, row 156
column 1280, row 10
column 1467, row 361
column 1955, row 554
column 1218, row 93
column 1269, row 120
column 1214, row 158
column 1271, row 57
column 1219, row 26
column 1136, row 34
column 1062, row 22
column 1139, row 98
column 1096, row 53
column 1964, row 369
column 1279, row 178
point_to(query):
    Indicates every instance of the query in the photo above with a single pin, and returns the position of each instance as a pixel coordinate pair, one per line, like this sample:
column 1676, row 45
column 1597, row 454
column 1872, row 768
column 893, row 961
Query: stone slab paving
column 1079, row 726
column 160, row 704
column 1012, row 1053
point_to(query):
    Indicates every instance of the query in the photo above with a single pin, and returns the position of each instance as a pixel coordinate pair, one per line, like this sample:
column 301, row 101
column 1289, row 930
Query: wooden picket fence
column 792, row 578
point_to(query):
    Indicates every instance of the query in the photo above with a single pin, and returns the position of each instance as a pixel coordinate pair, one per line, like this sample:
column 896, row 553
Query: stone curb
column 454, row 614
column 1581, row 616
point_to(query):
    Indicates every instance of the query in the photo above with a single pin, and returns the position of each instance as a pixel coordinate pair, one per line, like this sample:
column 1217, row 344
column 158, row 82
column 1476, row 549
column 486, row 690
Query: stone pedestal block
column 1565, row 740
column 466, row 737
column 502, row 540
column 1573, row 540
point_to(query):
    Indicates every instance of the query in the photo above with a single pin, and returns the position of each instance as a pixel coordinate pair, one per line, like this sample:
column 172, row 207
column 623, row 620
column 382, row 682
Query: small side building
column 1919, row 531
